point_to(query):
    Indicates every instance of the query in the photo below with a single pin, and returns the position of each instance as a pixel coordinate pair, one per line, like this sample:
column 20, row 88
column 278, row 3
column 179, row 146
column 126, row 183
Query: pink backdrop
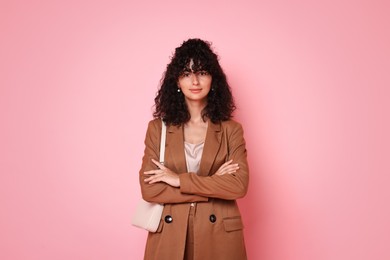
column 311, row 80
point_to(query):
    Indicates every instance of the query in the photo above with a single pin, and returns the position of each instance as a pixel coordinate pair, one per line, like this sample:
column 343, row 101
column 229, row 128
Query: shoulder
column 154, row 122
column 154, row 126
column 233, row 131
column 231, row 125
column 232, row 128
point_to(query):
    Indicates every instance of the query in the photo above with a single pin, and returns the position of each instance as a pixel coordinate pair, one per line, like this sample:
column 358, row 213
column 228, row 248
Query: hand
column 227, row 168
column 163, row 174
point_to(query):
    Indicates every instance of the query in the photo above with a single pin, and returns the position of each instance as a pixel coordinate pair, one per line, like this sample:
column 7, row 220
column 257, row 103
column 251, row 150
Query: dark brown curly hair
column 170, row 104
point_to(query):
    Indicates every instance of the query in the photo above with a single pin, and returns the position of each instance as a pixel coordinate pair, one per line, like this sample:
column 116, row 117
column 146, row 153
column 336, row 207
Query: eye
column 185, row 74
column 203, row 73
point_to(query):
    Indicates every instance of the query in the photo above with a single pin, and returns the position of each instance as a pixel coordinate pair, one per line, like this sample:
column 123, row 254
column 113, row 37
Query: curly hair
column 170, row 104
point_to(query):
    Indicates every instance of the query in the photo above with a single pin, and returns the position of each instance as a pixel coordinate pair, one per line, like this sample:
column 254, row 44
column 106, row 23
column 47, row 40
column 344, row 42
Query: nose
column 195, row 80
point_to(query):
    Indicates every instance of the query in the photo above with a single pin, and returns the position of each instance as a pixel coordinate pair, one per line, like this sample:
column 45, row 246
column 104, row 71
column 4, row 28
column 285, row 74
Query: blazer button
column 213, row 218
column 168, row 219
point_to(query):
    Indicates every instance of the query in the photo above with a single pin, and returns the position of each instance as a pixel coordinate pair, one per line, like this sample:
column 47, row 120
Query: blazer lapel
column 175, row 145
column 211, row 147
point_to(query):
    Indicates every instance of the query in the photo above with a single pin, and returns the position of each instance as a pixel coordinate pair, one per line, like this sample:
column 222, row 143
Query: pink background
column 311, row 80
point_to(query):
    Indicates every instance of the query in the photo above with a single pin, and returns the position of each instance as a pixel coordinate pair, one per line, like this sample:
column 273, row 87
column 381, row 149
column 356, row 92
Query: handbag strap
column 162, row 143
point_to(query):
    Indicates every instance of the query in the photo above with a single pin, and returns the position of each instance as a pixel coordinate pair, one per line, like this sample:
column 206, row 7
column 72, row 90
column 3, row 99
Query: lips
column 196, row 90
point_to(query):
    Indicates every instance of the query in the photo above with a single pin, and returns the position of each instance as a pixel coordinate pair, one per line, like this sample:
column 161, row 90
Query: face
column 195, row 85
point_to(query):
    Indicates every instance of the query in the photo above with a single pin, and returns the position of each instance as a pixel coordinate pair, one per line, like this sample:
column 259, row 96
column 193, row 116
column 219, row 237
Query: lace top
column 193, row 154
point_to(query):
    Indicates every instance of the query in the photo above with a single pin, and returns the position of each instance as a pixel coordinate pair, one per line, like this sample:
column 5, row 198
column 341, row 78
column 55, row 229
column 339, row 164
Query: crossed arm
column 163, row 185
column 163, row 174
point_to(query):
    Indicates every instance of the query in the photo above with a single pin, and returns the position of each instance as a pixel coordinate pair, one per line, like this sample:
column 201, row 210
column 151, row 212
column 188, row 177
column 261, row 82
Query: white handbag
column 148, row 215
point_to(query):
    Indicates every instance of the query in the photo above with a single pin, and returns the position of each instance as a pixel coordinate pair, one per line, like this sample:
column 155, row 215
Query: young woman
column 205, row 167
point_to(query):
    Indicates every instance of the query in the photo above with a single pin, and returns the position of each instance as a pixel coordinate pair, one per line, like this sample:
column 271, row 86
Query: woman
column 205, row 167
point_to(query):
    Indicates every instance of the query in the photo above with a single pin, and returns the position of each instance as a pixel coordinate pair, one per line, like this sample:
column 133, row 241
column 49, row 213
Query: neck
column 195, row 109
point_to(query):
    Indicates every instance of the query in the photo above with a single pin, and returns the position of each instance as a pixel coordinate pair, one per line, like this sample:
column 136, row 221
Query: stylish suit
column 218, row 228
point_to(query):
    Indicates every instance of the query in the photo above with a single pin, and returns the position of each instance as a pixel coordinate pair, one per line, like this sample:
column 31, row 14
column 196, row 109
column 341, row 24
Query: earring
column 178, row 89
column 212, row 89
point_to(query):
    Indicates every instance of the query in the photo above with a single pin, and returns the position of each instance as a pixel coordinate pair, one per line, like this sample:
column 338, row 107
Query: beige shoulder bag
column 147, row 215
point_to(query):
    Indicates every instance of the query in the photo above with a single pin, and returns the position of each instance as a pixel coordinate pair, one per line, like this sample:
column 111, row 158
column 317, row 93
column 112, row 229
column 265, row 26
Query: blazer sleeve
column 227, row 186
column 159, row 192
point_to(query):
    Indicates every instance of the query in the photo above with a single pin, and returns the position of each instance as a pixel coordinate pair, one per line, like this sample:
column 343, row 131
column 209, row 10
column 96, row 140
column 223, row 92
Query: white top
column 193, row 154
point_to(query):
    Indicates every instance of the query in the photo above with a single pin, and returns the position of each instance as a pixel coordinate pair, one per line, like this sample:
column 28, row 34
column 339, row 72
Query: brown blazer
column 215, row 195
